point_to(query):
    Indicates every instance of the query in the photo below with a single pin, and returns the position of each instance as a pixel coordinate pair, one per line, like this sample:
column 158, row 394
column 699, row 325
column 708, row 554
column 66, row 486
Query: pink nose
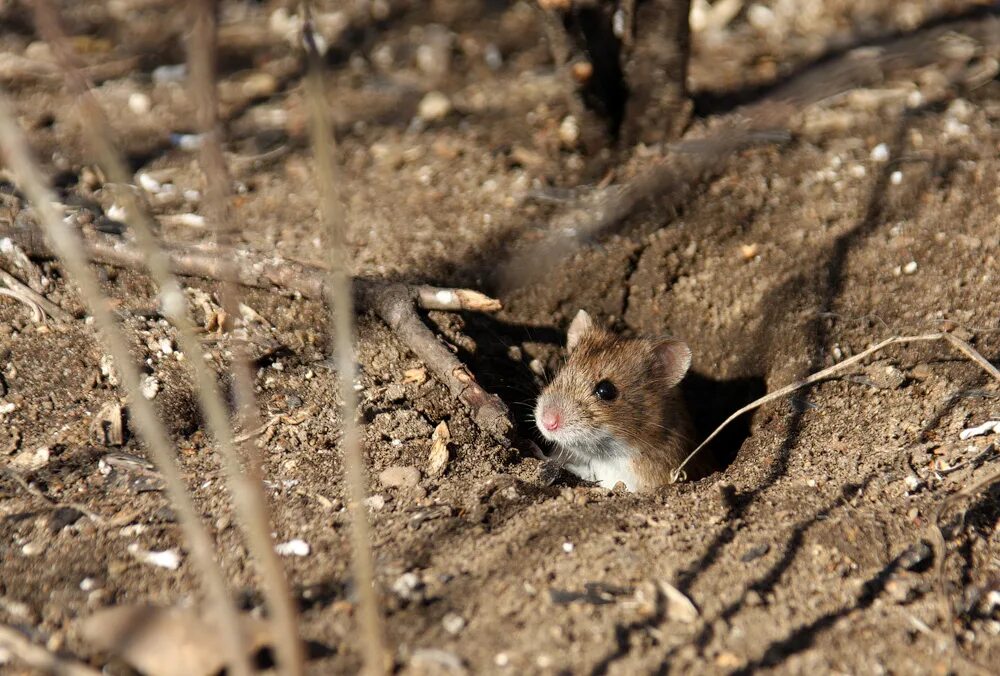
column 551, row 420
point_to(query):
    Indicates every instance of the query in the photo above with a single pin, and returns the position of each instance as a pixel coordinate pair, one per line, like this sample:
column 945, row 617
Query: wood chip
column 437, row 460
column 108, row 428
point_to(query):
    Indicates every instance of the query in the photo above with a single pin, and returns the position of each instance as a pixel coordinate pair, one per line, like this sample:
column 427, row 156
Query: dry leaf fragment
column 166, row 641
column 679, row 606
column 415, row 375
column 438, row 457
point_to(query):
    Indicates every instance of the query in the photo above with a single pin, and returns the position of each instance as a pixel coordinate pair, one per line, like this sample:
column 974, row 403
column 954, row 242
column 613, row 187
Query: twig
column 37, row 657
column 31, row 297
column 70, row 251
column 37, row 315
column 394, row 302
column 377, row 659
column 245, row 479
column 957, row 343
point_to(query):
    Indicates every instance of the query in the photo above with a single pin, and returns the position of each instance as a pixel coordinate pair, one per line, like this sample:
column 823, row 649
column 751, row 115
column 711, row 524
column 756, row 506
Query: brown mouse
column 614, row 411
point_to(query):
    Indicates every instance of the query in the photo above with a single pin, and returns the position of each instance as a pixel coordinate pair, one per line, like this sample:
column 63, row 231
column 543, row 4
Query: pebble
column 434, row 106
column 29, row 461
column 896, row 177
column 399, row 476
column 375, row 502
column 880, row 153
column 453, row 623
column 567, row 547
column 33, row 548
column 294, row 547
column 139, row 103
column 174, row 73
column 912, row 482
column 910, row 268
column 569, row 131
column 168, row 558
column 150, row 387
column 408, row 586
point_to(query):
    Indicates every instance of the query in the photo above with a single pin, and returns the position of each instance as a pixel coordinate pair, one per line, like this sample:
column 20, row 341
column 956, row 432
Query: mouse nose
column 551, row 420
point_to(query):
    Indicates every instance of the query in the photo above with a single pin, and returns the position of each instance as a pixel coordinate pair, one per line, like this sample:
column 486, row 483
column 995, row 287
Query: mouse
column 614, row 412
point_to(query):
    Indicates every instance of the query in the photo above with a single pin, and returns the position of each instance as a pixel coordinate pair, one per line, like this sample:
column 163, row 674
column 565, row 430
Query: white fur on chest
column 606, row 471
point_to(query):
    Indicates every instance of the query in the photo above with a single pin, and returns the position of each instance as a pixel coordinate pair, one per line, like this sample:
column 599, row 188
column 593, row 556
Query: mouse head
column 610, row 396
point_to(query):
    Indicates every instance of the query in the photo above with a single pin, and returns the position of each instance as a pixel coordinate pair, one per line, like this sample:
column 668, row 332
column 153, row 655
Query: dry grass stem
column 340, row 297
column 245, row 482
column 955, row 342
column 70, row 250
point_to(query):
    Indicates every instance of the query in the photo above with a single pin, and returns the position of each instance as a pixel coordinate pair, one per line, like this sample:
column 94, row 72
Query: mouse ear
column 581, row 325
column 675, row 356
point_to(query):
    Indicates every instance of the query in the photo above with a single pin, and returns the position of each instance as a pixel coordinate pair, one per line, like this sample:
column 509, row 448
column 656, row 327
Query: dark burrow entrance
column 502, row 361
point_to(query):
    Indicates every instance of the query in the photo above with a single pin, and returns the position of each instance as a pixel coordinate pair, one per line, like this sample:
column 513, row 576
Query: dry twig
column 955, row 342
column 36, row 301
column 377, row 660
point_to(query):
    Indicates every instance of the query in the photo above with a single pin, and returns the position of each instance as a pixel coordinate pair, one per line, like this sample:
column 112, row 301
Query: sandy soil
column 805, row 552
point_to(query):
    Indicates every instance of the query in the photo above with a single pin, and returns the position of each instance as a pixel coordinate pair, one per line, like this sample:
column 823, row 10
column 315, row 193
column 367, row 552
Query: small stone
column 62, row 517
column 168, row 558
column 139, row 103
column 33, row 548
column 910, row 268
column 395, row 392
column 501, row 659
column 453, row 623
column 88, row 584
column 880, row 153
column 569, row 131
column 912, row 483
column 166, row 346
column 567, row 547
column 434, row 106
column 294, row 547
column 408, row 586
column 29, row 461
column 896, row 177
column 375, row 502
column 150, row 387
column 399, row 477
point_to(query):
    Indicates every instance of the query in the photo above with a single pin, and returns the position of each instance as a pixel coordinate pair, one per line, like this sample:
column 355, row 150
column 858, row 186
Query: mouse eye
column 605, row 390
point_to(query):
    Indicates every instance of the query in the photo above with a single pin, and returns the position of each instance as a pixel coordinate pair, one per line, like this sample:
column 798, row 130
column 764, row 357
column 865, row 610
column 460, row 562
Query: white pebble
column 896, row 177
column 7, row 407
column 569, row 131
column 880, row 153
column 168, row 558
column 149, row 183
column 501, row 659
column 33, row 548
column 375, row 502
column 453, row 623
column 88, row 584
column 434, row 106
column 116, row 213
column 910, row 268
column 139, row 103
column 567, row 547
column 150, row 387
column 294, row 547
column 760, row 17
column 858, row 171
column 912, row 482
column 166, row 346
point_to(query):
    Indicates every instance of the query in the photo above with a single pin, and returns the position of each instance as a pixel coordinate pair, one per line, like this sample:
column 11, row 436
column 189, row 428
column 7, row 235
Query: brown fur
column 649, row 413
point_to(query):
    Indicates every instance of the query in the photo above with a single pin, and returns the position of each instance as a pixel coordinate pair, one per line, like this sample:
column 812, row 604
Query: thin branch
column 955, row 342
column 37, row 657
column 71, row 252
column 377, row 659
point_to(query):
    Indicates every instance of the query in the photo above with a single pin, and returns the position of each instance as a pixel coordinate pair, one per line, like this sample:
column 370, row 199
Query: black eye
column 606, row 390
